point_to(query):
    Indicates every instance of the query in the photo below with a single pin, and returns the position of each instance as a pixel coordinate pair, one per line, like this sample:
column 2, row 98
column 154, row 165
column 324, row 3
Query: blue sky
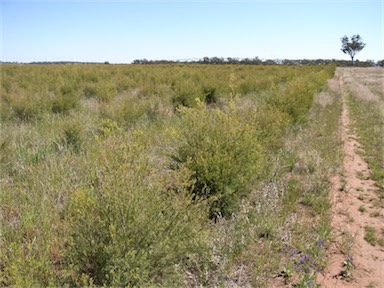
column 121, row 31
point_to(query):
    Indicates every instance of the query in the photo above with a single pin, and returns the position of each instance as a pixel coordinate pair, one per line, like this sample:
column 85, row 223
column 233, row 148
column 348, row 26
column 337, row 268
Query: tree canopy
column 352, row 46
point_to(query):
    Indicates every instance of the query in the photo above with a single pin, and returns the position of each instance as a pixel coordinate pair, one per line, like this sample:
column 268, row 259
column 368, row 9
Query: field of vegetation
column 165, row 175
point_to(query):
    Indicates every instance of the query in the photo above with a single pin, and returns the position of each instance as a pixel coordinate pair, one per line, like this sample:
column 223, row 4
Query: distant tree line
column 56, row 62
column 229, row 60
column 258, row 61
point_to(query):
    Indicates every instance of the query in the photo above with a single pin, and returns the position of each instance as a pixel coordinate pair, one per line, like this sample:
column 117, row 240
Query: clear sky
column 121, row 31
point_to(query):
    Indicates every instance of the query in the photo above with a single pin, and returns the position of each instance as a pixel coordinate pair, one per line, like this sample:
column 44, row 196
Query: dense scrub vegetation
column 128, row 175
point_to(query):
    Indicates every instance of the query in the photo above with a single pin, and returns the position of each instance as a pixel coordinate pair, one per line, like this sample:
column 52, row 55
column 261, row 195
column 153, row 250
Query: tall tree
column 352, row 46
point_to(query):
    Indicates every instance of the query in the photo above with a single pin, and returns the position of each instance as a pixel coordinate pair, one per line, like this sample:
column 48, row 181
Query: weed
column 287, row 272
column 360, row 175
column 362, row 209
column 343, row 184
column 73, row 136
column 348, row 266
column 368, row 121
column 381, row 242
column 210, row 95
column 361, row 197
column 347, row 243
column 375, row 214
column 370, row 235
column 63, row 104
column 223, row 164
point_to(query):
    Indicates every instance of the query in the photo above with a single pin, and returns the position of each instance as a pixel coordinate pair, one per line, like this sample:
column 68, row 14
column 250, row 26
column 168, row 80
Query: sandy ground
column 353, row 262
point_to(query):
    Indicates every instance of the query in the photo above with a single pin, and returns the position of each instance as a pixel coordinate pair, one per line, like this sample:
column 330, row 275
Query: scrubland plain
column 166, row 175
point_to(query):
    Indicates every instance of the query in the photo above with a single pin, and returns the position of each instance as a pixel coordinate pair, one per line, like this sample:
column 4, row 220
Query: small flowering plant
column 307, row 283
column 306, row 266
column 303, row 262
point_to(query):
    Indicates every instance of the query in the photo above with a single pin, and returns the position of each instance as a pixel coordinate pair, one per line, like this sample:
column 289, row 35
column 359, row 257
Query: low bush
column 223, row 153
column 63, row 104
column 72, row 135
column 128, row 228
column 88, row 196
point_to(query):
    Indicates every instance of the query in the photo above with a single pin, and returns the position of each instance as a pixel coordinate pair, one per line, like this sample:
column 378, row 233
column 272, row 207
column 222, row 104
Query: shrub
column 63, row 104
column 128, row 228
column 73, row 135
column 103, row 92
column 222, row 151
column 26, row 107
column 210, row 95
column 87, row 199
column 129, row 111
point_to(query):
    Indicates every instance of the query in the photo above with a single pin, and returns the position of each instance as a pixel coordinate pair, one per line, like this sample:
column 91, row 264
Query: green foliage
column 223, row 153
column 369, row 122
column 87, row 195
column 353, row 46
column 73, row 135
column 64, row 103
column 370, row 235
column 141, row 232
column 128, row 112
column 22, row 107
column 103, row 92
column 297, row 95
column 210, row 95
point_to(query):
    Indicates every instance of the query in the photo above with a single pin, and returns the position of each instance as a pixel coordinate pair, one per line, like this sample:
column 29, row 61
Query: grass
column 360, row 175
column 368, row 120
column 361, row 197
column 343, row 186
column 302, row 238
column 347, row 243
column 362, row 209
column 370, row 235
column 348, row 266
column 171, row 175
column 375, row 214
column 346, row 248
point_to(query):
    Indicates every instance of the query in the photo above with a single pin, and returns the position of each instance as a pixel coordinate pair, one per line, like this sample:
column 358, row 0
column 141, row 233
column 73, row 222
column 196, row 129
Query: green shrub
column 222, row 151
column 26, row 263
column 73, row 135
column 63, row 104
column 185, row 92
column 131, row 229
column 26, row 107
column 103, row 92
column 82, row 209
column 296, row 96
column 369, row 126
column 210, row 95
column 65, row 101
column 185, row 99
column 130, row 111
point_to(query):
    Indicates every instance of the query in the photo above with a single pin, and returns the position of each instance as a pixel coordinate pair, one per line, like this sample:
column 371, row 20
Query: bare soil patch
column 354, row 260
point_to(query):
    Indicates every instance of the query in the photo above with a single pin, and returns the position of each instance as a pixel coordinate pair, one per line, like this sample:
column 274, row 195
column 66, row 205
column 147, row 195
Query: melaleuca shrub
column 222, row 150
column 129, row 226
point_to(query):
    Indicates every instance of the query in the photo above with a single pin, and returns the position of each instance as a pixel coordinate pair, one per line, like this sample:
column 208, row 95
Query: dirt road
column 353, row 261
